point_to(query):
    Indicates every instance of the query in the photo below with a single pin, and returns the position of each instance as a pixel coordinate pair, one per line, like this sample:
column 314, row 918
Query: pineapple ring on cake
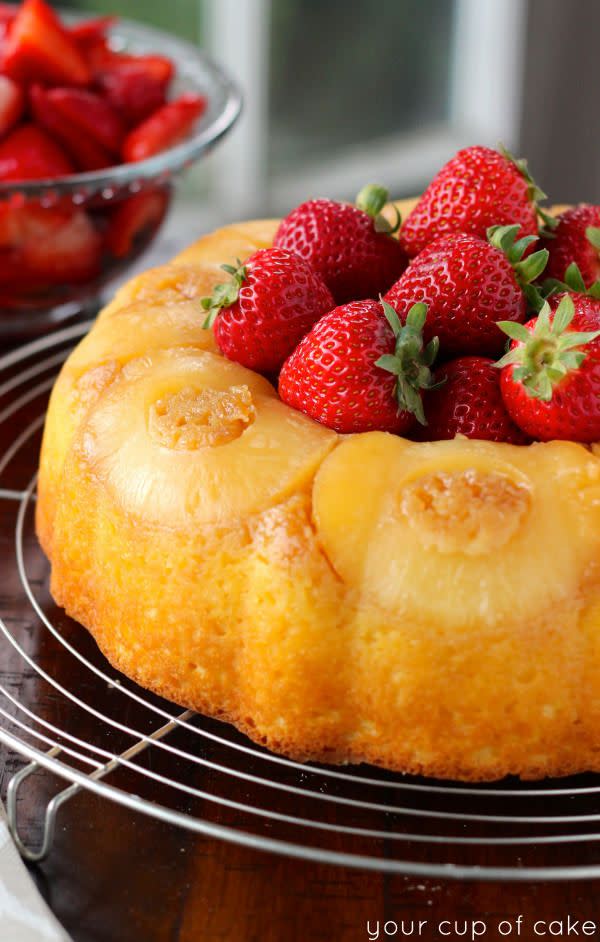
column 430, row 607
column 129, row 332
column 155, row 310
column 186, row 438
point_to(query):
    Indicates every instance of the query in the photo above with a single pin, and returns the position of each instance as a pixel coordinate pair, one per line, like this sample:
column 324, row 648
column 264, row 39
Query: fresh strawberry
column 576, row 239
column 351, row 247
column 12, row 104
column 165, row 128
column 40, row 49
column 360, row 370
column 88, row 115
column 468, row 401
column 47, row 246
column 28, row 153
column 90, row 31
column 551, row 375
column 136, row 86
column 8, row 14
column 133, row 219
column 86, row 153
column 96, row 52
column 269, row 304
column 477, row 189
column 469, row 284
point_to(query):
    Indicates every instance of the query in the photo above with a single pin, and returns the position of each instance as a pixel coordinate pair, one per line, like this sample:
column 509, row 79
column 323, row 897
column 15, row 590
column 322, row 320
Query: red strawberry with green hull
column 478, row 188
column 467, row 401
column 576, row 239
column 265, row 309
column 469, row 284
column 550, row 377
column 360, row 370
column 351, row 247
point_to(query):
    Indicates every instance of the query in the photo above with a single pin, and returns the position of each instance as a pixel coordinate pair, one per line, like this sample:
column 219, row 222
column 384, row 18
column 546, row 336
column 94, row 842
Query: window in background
column 344, row 72
column 343, row 91
column 338, row 92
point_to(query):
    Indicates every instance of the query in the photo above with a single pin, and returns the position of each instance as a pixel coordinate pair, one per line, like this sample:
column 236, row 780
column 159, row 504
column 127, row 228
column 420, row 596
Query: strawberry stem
column 533, row 190
column 411, row 360
column 549, row 352
column 371, row 199
column 224, row 294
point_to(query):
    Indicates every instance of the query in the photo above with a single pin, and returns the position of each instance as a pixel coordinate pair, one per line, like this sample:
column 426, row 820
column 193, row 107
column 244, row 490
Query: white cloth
column 24, row 916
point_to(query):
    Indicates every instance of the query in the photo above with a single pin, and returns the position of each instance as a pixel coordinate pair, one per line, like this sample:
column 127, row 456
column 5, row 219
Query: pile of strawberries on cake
column 69, row 103
column 374, row 323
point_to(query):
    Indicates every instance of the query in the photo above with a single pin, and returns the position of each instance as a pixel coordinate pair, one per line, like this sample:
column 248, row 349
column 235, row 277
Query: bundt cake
column 431, row 607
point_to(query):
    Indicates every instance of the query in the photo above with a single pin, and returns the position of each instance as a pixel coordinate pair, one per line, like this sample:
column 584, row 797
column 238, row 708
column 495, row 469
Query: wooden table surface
column 118, row 876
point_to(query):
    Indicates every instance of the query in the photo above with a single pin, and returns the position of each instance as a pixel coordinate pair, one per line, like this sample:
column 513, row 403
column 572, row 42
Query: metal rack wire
column 202, row 775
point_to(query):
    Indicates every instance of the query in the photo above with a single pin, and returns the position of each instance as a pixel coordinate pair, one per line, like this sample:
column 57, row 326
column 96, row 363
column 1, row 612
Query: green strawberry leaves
column 593, row 236
column 527, row 270
column 547, row 353
column 533, row 190
column 371, row 199
column 411, row 360
column 573, row 282
column 224, row 294
column 505, row 239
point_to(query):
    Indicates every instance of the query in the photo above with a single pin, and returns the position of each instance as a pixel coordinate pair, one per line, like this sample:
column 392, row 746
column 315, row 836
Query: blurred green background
column 181, row 17
column 340, row 92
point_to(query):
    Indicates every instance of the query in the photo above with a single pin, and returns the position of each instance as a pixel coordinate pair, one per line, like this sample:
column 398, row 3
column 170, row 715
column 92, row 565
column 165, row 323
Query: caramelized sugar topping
column 467, row 511
column 201, row 418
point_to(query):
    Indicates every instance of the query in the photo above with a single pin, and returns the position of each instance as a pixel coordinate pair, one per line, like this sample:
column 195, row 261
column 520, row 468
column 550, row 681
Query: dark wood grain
column 118, row 876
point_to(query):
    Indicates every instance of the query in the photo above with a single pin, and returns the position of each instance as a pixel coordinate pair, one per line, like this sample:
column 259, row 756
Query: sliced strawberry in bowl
column 28, row 153
column 68, row 100
column 168, row 126
column 8, row 14
column 136, row 86
column 12, row 104
column 134, row 221
column 90, row 31
column 40, row 49
column 86, row 153
column 48, row 246
column 89, row 115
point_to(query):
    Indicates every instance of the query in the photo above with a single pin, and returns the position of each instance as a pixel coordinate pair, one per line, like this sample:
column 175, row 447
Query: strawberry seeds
column 412, row 339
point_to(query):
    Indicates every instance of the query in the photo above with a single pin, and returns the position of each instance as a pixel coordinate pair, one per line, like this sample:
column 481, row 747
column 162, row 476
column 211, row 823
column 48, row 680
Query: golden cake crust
column 429, row 607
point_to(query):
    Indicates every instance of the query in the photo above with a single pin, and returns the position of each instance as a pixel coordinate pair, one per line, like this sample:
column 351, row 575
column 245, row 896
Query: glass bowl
column 111, row 215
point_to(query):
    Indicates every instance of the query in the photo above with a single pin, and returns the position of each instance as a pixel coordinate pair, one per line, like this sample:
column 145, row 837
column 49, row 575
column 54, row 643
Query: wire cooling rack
column 65, row 710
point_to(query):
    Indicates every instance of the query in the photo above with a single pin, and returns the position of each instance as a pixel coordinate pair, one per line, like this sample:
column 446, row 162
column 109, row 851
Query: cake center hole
column 201, row 418
column 468, row 511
